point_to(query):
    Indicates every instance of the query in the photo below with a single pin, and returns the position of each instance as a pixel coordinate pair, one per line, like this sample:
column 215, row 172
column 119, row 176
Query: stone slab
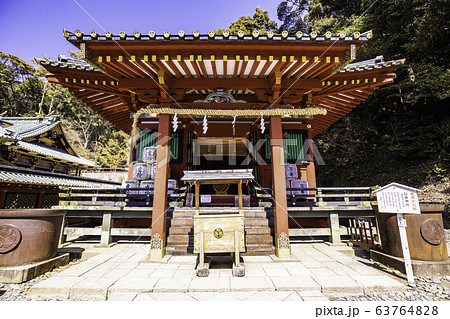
column 185, row 273
column 172, row 285
column 24, row 273
column 379, row 284
column 91, row 289
column 338, row 285
column 162, row 273
column 139, row 273
column 106, row 273
column 144, row 297
column 98, row 259
column 207, row 296
column 121, row 296
column 199, row 284
column 183, row 259
column 322, row 272
column 277, row 272
column 76, row 270
column 251, row 284
column 54, row 288
column 262, row 296
column 133, row 285
column 295, row 283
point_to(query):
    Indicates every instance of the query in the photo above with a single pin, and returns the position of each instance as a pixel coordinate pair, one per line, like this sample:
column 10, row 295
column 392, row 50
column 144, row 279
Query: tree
column 259, row 22
column 19, row 88
column 22, row 88
column 292, row 13
column 114, row 150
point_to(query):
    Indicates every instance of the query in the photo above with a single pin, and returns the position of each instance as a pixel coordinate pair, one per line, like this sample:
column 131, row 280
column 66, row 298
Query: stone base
column 147, row 259
column 420, row 268
column 203, row 271
column 19, row 274
column 239, row 271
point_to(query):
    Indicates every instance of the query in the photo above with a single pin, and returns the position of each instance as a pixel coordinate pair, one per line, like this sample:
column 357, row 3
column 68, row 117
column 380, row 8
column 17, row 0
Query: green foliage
column 19, row 88
column 291, row 13
column 21, row 92
column 259, row 22
column 114, row 150
column 401, row 132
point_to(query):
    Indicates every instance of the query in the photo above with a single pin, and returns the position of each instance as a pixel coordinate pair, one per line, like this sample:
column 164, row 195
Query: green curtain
column 151, row 138
column 292, row 144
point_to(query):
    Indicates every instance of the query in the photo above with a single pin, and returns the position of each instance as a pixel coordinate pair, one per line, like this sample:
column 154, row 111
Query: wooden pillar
column 282, row 245
column 158, row 242
column 40, row 199
column 310, row 169
column 3, row 198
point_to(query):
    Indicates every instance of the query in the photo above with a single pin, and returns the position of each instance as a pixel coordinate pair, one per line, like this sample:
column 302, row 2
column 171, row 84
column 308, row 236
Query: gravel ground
column 17, row 292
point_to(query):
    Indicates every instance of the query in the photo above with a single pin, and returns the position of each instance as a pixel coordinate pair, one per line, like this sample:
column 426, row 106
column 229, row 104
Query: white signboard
column 400, row 199
column 205, row 198
column 396, row 198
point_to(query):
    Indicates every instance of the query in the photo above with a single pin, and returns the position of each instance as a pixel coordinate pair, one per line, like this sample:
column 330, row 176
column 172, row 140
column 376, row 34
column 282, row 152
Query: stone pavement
column 314, row 273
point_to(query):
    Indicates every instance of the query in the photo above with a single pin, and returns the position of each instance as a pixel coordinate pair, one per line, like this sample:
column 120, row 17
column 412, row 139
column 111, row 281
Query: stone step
column 256, row 222
column 258, row 239
column 180, row 239
column 249, row 230
column 259, row 249
column 181, row 230
column 182, row 222
column 177, row 214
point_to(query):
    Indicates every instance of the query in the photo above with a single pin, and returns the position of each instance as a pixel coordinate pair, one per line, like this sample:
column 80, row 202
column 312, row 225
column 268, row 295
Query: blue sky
column 33, row 28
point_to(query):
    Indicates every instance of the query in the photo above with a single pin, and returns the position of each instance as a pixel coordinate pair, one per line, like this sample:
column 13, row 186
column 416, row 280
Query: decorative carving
column 349, row 56
column 220, row 96
column 283, row 241
column 10, row 237
column 156, row 243
column 221, row 188
column 218, row 233
column 87, row 55
column 432, row 231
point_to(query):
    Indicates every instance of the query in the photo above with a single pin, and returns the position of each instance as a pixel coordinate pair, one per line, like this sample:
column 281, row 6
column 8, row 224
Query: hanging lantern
column 205, row 125
column 175, row 122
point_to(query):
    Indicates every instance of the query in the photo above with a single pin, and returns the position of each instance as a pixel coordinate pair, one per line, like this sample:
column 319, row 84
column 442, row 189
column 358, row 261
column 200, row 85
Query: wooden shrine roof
column 124, row 73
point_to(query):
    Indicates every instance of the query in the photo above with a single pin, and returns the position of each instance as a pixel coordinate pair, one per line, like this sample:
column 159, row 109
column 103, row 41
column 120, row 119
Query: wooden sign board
column 397, row 198
column 400, row 199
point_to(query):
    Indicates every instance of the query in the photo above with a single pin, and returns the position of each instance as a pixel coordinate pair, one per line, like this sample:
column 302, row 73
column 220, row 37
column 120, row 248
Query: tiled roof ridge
column 42, row 125
column 54, row 152
column 371, row 64
column 79, row 36
column 53, row 174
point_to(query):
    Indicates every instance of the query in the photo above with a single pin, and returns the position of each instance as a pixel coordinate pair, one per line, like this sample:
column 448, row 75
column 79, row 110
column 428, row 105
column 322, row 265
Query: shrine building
column 244, row 103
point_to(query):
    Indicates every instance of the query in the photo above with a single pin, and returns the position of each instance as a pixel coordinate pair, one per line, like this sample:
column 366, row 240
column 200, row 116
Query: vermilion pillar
column 158, row 242
column 282, row 245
